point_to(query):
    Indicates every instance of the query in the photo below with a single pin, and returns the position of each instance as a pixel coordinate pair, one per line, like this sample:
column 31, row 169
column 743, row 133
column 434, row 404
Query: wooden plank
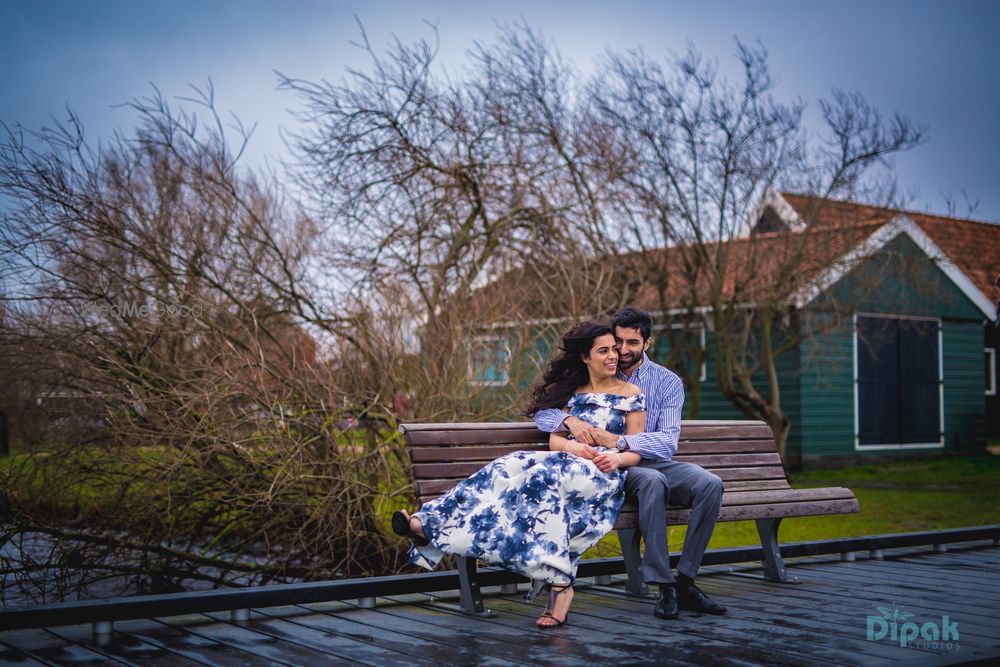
column 756, row 484
column 732, row 485
column 208, row 651
column 734, row 430
column 452, row 471
column 732, row 460
column 724, row 446
column 762, row 472
column 353, row 647
column 690, row 430
column 259, row 641
column 922, row 593
column 466, row 426
column 677, row 516
column 842, row 600
column 11, row 656
column 49, row 649
column 487, row 452
column 758, row 630
column 943, row 585
column 476, row 437
column 719, row 465
column 428, row 487
column 483, row 453
column 372, row 626
column 785, row 496
column 600, row 621
column 122, row 647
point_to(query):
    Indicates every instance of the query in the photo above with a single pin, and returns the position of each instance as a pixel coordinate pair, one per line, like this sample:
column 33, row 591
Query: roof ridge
column 888, row 209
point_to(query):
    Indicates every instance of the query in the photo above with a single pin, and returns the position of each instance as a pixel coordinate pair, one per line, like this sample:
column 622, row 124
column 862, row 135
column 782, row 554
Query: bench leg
column 470, row 595
column 629, row 540
column 774, row 564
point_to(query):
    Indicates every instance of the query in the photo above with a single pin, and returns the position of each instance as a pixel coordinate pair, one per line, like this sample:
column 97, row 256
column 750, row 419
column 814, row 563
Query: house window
column 991, row 371
column 899, row 385
column 489, row 363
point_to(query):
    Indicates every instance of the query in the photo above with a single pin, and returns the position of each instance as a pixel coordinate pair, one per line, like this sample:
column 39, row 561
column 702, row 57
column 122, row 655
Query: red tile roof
column 758, row 267
column 974, row 247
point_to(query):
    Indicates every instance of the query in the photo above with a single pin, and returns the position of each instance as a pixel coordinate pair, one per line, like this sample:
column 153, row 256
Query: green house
column 911, row 368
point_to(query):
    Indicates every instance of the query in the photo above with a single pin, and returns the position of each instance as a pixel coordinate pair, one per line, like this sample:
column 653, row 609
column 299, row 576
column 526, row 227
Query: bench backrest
column 742, row 453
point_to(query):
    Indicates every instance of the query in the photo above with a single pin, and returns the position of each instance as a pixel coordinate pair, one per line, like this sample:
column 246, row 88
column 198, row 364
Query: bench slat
column 734, row 430
column 732, row 460
column 772, row 497
column 756, row 484
column 690, row 430
column 737, row 512
column 476, row 437
column 486, row 453
column 427, row 486
column 628, row 519
column 738, row 485
column 784, row 496
column 463, row 467
column 724, row 446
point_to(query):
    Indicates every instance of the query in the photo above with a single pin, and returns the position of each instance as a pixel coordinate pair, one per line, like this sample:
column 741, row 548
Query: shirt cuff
column 561, row 421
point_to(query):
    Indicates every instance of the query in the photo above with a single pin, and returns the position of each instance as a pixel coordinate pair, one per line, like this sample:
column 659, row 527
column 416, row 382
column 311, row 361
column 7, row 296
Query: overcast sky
column 937, row 62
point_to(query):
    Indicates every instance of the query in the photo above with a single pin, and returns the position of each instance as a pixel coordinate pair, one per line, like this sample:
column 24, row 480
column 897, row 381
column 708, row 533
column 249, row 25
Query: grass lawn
column 922, row 494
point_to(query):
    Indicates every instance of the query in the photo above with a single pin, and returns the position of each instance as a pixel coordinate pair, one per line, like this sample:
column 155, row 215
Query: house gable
column 884, row 239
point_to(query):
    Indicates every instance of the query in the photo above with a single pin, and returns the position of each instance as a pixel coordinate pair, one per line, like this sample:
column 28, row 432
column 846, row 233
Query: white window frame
column 940, row 365
column 991, row 377
column 487, row 341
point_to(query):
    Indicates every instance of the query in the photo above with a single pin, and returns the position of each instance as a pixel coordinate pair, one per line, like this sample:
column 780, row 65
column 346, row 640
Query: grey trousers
column 652, row 485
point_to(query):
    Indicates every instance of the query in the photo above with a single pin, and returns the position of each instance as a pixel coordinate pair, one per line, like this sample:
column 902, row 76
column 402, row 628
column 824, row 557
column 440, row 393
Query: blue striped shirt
column 664, row 402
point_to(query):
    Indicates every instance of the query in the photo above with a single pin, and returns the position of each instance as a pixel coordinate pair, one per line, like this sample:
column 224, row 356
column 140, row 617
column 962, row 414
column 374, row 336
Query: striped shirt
column 664, row 402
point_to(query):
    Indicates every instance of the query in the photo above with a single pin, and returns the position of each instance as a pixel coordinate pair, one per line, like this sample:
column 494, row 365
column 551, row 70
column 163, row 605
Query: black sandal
column 401, row 526
column 554, row 593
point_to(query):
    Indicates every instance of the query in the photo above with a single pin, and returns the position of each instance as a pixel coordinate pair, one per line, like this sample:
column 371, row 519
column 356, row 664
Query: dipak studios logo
column 893, row 625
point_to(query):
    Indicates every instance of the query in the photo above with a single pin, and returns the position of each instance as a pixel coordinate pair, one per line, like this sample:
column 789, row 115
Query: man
column 658, row 480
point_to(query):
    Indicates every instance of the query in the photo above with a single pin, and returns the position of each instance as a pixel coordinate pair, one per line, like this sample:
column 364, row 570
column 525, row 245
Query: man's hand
column 581, row 430
column 590, row 435
column 607, row 462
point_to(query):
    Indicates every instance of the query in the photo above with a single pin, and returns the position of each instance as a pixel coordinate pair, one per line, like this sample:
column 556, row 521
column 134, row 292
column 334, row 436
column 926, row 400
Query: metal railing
column 102, row 613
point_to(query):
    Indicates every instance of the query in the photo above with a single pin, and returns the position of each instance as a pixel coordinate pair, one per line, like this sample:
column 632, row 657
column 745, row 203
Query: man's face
column 630, row 347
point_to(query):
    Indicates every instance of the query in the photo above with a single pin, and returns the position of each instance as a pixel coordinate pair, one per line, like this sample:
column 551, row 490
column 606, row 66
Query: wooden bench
column 742, row 453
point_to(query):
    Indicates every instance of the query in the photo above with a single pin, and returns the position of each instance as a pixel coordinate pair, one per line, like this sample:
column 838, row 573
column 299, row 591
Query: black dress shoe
column 692, row 598
column 666, row 606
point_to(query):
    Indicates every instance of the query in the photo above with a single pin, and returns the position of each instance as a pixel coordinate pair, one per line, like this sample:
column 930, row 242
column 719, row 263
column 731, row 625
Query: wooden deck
column 821, row 621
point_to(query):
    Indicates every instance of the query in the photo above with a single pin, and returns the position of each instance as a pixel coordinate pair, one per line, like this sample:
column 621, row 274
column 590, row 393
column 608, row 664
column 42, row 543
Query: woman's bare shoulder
column 628, row 389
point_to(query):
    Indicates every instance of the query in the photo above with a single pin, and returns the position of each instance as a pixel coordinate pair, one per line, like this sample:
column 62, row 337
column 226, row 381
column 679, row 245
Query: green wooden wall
column 817, row 380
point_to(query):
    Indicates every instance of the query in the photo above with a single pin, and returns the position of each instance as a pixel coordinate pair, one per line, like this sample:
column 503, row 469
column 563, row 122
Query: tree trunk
column 4, row 435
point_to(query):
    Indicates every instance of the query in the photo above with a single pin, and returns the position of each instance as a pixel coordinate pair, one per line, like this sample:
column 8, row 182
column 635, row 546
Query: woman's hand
column 608, row 462
column 581, row 450
column 560, row 443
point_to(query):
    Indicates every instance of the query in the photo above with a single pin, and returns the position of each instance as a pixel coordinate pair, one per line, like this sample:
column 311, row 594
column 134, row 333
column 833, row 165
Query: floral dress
column 533, row 513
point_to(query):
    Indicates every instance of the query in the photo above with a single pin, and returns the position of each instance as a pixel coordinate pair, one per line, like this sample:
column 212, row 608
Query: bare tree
column 693, row 158
column 161, row 311
column 430, row 188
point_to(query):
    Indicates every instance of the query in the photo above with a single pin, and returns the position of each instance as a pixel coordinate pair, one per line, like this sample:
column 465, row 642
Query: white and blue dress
column 533, row 513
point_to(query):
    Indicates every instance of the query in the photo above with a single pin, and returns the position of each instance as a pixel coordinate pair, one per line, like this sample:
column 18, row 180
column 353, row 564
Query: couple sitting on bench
column 614, row 420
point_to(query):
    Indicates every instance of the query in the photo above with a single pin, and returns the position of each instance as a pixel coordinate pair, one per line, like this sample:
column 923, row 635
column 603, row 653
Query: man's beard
column 624, row 364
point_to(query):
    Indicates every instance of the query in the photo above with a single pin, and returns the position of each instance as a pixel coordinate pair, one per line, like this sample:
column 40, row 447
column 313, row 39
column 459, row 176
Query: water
column 39, row 568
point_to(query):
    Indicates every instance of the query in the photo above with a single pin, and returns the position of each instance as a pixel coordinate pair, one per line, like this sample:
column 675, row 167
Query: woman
column 536, row 512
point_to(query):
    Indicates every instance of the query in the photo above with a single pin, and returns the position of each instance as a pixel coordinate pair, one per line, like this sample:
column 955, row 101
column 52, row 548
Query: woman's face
column 603, row 358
